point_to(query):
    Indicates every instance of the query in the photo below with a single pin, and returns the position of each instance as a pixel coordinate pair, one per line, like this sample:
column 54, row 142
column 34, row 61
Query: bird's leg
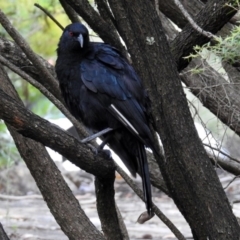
column 98, row 134
column 101, row 146
column 105, row 141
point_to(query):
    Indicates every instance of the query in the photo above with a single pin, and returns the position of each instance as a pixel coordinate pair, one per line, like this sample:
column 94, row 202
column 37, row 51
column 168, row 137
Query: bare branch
column 171, row 11
column 32, row 126
column 69, row 11
column 218, row 95
column 105, row 12
column 49, row 15
column 211, row 18
column 107, row 208
column 227, row 165
column 81, row 130
column 191, row 21
column 223, row 153
column 3, row 234
column 11, row 51
column 234, row 178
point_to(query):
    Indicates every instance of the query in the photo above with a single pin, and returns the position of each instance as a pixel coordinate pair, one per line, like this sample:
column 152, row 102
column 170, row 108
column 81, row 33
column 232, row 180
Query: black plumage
column 102, row 89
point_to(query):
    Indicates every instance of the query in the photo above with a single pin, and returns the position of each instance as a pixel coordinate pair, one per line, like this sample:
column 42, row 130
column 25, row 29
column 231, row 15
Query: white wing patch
column 123, row 119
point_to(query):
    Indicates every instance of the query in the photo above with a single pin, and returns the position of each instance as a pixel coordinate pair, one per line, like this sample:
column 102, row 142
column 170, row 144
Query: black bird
column 103, row 90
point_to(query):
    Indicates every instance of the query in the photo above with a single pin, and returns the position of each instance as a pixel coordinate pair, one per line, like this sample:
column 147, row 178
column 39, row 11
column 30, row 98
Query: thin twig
column 157, row 8
column 223, row 153
column 231, row 182
column 157, row 211
column 192, row 22
column 48, row 14
column 11, row 198
column 106, row 13
column 236, row 201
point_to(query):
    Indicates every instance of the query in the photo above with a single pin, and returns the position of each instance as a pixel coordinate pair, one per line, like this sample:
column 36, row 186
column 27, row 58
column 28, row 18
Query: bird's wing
column 103, row 71
column 107, row 73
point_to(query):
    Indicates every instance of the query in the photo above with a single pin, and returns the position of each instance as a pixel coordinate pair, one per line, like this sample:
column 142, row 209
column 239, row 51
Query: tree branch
column 170, row 10
column 49, row 15
column 81, row 130
column 174, row 123
column 191, row 21
column 106, row 13
column 3, row 234
column 11, row 51
column 211, row 18
column 32, row 126
column 218, row 95
column 72, row 15
column 107, row 208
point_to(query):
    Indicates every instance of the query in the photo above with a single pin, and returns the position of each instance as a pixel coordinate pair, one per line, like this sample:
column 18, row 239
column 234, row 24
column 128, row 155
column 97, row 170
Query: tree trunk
column 187, row 171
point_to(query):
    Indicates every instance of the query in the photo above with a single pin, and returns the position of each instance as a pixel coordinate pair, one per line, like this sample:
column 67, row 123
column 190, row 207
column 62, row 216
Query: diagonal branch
column 171, row 11
column 105, row 12
column 218, row 95
column 3, row 234
column 32, row 126
column 191, row 21
column 72, row 15
column 44, row 91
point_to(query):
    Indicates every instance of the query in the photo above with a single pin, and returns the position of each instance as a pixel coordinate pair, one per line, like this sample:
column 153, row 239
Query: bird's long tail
column 143, row 168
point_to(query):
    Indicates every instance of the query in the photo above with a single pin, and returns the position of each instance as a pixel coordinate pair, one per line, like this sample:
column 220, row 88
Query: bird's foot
column 104, row 153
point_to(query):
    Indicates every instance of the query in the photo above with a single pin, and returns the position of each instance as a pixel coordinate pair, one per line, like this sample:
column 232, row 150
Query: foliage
column 34, row 25
column 226, row 49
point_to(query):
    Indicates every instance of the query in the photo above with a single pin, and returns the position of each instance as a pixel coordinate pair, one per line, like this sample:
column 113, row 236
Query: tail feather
column 143, row 168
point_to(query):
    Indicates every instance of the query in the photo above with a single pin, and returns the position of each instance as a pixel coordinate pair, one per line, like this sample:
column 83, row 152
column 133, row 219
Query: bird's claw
column 103, row 152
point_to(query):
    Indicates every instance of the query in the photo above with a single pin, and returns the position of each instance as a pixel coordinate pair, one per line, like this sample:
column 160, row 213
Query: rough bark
column 49, row 80
column 187, row 171
column 233, row 74
column 3, row 235
column 32, row 126
column 217, row 94
column 211, row 18
column 59, row 198
column 170, row 9
column 15, row 55
column 106, row 207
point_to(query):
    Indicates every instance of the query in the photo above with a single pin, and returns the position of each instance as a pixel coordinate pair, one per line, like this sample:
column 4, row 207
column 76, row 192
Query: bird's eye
column 71, row 34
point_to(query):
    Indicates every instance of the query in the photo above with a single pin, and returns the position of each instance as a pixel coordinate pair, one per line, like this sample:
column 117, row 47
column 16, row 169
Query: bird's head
column 74, row 38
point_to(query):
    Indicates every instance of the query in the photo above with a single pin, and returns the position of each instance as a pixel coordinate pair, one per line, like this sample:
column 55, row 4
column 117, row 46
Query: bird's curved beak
column 80, row 39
